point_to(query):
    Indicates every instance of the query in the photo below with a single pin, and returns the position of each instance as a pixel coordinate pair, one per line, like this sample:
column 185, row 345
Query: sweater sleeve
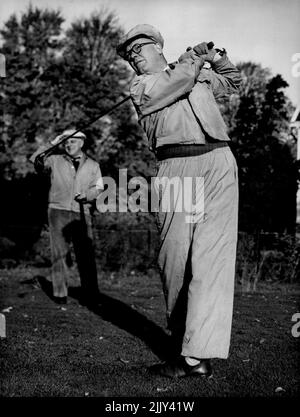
column 95, row 185
column 42, row 163
column 225, row 78
column 153, row 92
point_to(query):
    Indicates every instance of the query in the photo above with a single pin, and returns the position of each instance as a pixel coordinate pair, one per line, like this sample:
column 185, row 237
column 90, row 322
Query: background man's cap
column 77, row 135
column 139, row 31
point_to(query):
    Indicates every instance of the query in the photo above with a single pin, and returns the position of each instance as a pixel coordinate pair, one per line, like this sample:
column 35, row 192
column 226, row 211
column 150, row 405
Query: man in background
column 176, row 106
column 76, row 182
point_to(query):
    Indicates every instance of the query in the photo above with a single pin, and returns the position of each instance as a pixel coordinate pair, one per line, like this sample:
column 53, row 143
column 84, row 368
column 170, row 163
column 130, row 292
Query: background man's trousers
column 68, row 227
column 198, row 252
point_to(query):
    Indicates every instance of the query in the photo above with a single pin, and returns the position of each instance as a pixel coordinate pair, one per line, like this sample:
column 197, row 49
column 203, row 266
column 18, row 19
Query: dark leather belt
column 180, row 151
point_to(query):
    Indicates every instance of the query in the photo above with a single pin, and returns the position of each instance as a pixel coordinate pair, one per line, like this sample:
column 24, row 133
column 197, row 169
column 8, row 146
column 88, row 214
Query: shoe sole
column 185, row 375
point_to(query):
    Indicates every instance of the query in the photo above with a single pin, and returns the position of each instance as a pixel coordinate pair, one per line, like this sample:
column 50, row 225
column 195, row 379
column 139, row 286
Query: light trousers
column 198, row 249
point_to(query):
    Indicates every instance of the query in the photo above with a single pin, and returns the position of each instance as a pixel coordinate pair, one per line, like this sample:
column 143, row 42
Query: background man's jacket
column 66, row 182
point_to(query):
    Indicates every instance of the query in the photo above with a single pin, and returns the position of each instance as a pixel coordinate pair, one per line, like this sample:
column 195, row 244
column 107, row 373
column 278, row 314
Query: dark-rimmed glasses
column 136, row 49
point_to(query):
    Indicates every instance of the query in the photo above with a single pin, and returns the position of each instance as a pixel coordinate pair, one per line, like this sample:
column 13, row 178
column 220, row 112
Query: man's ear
column 158, row 48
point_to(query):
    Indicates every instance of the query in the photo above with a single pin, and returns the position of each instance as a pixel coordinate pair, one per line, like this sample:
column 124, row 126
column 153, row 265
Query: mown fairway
column 73, row 351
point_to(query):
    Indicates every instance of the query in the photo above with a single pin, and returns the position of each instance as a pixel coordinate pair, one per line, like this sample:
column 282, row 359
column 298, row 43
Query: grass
column 73, row 351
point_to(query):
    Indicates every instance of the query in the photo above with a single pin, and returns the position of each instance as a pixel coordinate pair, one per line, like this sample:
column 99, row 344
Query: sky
column 261, row 31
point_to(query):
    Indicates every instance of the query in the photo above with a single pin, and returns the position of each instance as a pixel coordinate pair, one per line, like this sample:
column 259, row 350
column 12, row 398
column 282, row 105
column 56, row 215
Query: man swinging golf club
column 76, row 182
column 176, row 106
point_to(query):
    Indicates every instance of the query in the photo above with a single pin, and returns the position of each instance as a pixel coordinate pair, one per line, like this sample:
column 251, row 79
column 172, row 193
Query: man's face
column 146, row 57
column 73, row 146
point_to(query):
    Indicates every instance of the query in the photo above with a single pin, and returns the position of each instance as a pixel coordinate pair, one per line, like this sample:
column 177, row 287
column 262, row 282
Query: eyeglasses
column 136, row 49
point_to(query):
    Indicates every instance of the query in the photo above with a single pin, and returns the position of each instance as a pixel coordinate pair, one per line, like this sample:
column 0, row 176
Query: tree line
column 58, row 77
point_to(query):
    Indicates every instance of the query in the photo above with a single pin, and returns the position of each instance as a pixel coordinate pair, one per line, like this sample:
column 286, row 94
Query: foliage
column 57, row 79
column 30, row 46
column 268, row 258
column 258, row 118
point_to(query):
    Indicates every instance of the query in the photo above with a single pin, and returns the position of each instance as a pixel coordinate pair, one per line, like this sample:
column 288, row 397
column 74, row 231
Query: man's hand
column 81, row 198
column 207, row 54
column 190, row 54
column 57, row 139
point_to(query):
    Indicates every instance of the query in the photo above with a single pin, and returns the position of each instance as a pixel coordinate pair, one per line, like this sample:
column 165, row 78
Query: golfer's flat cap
column 139, row 31
column 73, row 134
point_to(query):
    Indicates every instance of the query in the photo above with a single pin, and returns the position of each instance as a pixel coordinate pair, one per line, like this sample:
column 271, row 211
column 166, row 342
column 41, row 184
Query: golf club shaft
column 85, row 126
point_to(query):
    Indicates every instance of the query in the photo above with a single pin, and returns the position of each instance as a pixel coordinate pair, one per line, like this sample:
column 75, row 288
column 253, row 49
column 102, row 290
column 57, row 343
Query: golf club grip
column 210, row 45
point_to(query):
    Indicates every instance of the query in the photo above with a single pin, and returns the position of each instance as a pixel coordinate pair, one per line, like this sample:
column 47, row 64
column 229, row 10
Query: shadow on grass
column 130, row 320
column 45, row 285
column 122, row 316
